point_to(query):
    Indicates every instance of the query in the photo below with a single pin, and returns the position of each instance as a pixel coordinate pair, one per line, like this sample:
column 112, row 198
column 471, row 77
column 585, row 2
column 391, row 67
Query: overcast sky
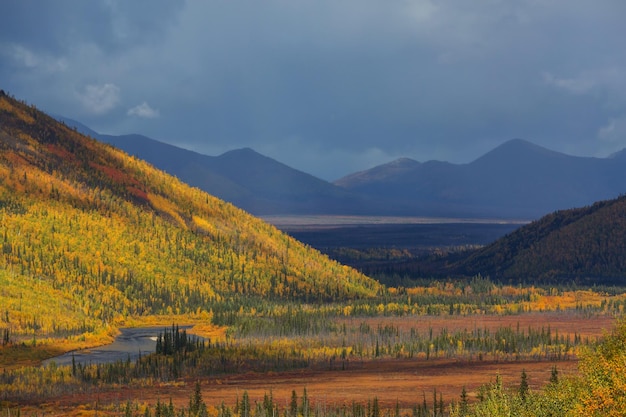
column 328, row 86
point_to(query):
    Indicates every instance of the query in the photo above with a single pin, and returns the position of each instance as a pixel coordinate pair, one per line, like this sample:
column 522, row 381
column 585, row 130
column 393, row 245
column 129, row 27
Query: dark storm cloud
column 328, row 86
column 60, row 25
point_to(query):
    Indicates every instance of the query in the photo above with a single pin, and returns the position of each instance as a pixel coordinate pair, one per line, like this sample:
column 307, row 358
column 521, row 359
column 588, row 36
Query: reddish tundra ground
column 406, row 382
column 403, row 381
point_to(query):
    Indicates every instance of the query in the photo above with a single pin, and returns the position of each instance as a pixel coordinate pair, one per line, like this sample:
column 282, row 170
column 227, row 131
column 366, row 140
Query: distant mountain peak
column 251, row 157
column 519, row 142
column 403, row 162
column 240, row 151
column 516, row 150
column 397, row 165
column 379, row 173
column 521, row 145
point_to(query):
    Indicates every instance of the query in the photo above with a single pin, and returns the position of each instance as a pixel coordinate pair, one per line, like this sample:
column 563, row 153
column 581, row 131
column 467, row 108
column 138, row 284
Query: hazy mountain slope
column 277, row 188
column 521, row 175
column 392, row 171
column 119, row 237
column 584, row 244
column 249, row 180
column 191, row 167
column 517, row 179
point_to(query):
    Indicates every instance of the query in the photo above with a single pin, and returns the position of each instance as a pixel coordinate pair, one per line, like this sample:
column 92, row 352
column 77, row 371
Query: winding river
column 130, row 342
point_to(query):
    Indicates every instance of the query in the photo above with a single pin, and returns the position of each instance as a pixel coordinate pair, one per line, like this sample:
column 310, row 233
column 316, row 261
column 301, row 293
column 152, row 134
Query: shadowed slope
column 584, row 245
column 517, row 179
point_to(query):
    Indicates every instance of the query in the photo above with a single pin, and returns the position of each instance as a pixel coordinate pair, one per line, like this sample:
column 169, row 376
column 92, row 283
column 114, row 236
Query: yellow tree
column 604, row 375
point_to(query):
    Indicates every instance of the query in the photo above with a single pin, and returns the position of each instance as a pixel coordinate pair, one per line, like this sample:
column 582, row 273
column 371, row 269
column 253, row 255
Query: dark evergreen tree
column 464, row 404
column 375, row 408
column 293, row 405
column 244, row 407
column 305, row 407
column 196, row 402
column 554, row 376
column 523, row 388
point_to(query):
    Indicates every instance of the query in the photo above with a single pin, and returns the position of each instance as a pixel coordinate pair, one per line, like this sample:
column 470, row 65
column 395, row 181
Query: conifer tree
column 554, row 376
column 464, row 404
column 523, row 388
column 244, row 408
column 375, row 408
column 196, row 402
column 293, row 405
column 305, row 408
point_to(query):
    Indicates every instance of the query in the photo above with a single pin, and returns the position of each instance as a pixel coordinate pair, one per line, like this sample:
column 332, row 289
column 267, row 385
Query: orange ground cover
column 406, row 381
column 566, row 323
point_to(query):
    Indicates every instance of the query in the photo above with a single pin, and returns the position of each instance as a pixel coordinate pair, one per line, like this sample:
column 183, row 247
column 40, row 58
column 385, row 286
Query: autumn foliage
column 91, row 236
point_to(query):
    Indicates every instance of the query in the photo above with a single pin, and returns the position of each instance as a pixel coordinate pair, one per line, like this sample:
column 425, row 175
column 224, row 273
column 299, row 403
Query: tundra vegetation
column 93, row 240
column 262, row 337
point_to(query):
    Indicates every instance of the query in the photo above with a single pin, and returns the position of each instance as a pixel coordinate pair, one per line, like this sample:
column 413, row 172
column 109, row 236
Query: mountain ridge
column 579, row 246
column 584, row 245
column 244, row 177
column 517, row 179
column 390, row 169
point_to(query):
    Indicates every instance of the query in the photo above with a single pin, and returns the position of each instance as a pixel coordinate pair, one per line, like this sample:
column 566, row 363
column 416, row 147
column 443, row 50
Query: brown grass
column 566, row 323
column 406, row 381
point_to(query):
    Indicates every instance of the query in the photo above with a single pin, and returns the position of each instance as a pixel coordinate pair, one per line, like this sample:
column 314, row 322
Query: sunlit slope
column 90, row 232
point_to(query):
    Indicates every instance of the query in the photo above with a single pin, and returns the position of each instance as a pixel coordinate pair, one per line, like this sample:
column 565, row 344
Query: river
column 130, row 342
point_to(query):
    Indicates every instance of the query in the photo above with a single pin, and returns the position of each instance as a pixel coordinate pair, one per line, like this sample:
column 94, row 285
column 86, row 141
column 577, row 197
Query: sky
column 328, row 87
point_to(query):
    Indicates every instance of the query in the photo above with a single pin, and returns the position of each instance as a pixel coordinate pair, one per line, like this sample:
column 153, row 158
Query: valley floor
column 405, row 382
column 393, row 382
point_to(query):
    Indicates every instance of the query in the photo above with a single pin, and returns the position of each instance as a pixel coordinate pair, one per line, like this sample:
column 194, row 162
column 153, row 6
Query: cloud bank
column 328, row 86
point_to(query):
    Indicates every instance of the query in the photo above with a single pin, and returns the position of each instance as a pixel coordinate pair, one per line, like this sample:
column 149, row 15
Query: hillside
column 516, row 180
column 249, row 180
column 91, row 236
column 584, row 245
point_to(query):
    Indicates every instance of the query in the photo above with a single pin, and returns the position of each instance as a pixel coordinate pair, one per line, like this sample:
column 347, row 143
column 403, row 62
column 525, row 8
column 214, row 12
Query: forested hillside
column 90, row 235
column 586, row 245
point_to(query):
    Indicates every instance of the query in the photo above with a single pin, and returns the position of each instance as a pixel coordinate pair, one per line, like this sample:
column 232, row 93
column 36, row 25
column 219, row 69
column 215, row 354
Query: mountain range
column 518, row 179
column 243, row 177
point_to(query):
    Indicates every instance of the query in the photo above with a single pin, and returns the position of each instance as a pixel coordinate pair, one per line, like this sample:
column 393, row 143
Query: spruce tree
column 293, row 405
column 523, row 388
column 244, row 408
column 464, row 405
column 196, row 402
column 554, row 376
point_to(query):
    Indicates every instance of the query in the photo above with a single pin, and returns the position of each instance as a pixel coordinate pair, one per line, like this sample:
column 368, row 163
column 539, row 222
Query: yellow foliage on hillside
column 91, row 236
